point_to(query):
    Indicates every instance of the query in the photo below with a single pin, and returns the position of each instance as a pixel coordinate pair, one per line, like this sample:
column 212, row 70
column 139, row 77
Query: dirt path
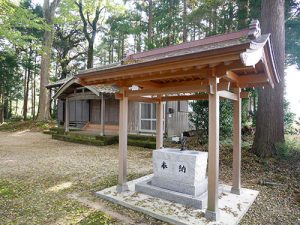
column 39, row 174
column 45, row 181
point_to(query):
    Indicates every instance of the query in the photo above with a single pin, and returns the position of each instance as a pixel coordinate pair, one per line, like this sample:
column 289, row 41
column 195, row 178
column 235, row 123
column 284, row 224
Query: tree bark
column 33, row 85
column 184, row 20
column 150, row 24
column 44, row 109
column 270, row 115
column 90, row 36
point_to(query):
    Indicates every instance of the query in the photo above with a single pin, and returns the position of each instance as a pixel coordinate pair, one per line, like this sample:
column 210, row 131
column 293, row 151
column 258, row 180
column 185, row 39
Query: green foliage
column 293, row 32
column 143, row 144
column 6, row 190
column 288, row 148
column 199, row 118
column 97, row 218
column 12, row 126
column 289, row 119
column 133, row 140
column 14, row 20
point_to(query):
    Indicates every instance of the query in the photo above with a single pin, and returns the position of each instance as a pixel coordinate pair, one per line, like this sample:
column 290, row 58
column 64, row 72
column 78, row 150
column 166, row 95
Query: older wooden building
column 89, row 107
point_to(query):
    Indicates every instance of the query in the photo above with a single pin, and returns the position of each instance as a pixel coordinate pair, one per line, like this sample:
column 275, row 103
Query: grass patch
column 6, row 190
column 13, row 126
column 133, row 140
column 78, row 139
column 97, row 218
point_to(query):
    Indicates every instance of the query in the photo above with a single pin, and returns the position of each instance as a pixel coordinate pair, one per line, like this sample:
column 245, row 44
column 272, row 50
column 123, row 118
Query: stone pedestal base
column 122, row 188
column 213, row 216
column 195, row 190
column 236, row 191
column 198, row 202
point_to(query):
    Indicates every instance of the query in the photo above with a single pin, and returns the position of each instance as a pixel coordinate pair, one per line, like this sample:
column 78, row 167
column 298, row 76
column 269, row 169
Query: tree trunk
column 33, row 85
column 25, row 105
column 184, row 20
column 1, row 109
column 90, row 55
column 150, row 24
column 24, row 92
column 27, row 81
column 44, row 109
column 269, row 120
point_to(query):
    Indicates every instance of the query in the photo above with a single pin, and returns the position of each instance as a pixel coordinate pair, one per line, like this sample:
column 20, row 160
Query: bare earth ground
column 44, row 181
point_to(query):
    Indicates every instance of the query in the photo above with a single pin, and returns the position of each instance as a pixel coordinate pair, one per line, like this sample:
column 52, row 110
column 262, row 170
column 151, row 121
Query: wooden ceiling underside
column 186, row 75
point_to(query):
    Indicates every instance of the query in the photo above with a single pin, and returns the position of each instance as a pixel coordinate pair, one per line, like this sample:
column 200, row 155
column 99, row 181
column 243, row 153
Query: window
column 148, row 117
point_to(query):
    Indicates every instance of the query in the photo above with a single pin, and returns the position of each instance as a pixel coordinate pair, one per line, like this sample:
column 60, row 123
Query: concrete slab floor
column 232, row 207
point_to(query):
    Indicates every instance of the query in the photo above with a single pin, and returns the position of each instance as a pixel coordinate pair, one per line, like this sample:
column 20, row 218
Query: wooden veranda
column 212, row 68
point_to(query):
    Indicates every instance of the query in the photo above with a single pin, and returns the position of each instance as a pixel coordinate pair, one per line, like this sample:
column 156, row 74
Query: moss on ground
column 97, row 218
column 133, row 140
column 13, row 126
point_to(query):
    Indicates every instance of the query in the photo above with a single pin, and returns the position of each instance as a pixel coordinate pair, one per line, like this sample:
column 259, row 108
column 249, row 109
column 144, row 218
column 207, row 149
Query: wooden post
column 102, row 114
column 212, row 212
column 123, row 123
column 67, row 115
column 159, row 125
column 236, row 166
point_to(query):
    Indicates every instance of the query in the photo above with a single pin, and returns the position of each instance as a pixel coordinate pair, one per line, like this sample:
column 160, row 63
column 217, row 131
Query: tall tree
column 48, row 13
column 67, row 42
column 90, row 25
column 270, row 114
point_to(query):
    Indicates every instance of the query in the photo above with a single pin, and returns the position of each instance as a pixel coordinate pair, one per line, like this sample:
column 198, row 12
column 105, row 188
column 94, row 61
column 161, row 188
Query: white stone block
column 181, row 171
column 187, row 167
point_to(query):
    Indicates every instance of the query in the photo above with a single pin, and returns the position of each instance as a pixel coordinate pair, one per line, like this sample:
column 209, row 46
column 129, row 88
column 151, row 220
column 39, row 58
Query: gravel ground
column 39, row 178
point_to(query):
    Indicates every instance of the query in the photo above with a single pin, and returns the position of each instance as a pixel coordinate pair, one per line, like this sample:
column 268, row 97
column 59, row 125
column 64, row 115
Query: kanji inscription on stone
column 182, row 168
column 164, row 165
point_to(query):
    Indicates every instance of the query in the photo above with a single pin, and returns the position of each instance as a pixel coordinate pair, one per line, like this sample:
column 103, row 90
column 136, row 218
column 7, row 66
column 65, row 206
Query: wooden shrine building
column 212, row 68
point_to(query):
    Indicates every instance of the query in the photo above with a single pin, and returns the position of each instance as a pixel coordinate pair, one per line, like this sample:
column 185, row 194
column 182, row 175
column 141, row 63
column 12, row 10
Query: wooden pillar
column 236, row 166
column 67, row 115
column 159, row 125
column 212, row 212
column 102, row 133
column 123, row 123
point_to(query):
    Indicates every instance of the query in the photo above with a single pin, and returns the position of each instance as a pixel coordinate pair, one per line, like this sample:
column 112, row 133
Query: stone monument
column 178, row 176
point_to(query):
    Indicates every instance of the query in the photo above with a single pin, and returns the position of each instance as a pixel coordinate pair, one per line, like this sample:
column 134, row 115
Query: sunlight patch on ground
column 59, row 187
column 8, row 161
column 20, row 132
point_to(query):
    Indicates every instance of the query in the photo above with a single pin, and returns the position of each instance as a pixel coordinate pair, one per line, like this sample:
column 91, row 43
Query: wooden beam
column 252, row 78
column 118, row 96
column 231, row 76
column 132, row 72
column 102, row 115
column 179, row 87
column 123, row 123
column 159, row 125
column 228, row 95
column 67, row 115
column 236, row 166
column 148, row 84
column 244, row 94
column 83, row 97
column 143, row 99
column 185, row 97
column 168, row 90
column 212, row 212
